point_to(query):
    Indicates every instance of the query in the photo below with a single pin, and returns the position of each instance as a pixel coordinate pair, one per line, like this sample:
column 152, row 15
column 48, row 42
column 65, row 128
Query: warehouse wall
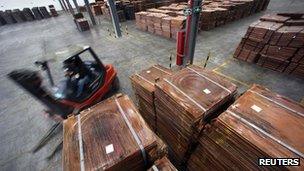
column 13, row 4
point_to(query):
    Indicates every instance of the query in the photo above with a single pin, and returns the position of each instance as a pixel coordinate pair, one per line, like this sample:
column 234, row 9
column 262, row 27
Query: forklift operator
column 78, row 76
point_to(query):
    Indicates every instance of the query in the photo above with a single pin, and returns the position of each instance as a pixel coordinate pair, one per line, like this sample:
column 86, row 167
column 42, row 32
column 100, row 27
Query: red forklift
column 85, row 83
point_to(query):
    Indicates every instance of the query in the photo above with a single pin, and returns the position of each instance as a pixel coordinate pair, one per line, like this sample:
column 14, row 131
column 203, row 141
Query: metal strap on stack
column 81, row 157
column 246, row 122
column 219, row 85
column 137, row 139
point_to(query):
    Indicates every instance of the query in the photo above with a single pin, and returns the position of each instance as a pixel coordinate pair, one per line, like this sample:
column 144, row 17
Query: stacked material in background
column 37, row 13
column 97, row 9
column 125, row 9
column 2, row 20
column 166, row 27
column 141, row 21
column 162, row 164
column 28, row 14
column 165, row 21
column 129, row 12
column 121, row 16
column 184, row 102
column 82, row 9
column 53, row 11
column 110, row 136
column 219, row 12
column 260, row 124
column 177, row 23
column 8, row 17
column 18, row 16
column 106, row 12
column 130, row 7
column 82, row 24
column 276, row 42
column 157, row 21
column 214, row 13
column 44, row 12
column 143, row 85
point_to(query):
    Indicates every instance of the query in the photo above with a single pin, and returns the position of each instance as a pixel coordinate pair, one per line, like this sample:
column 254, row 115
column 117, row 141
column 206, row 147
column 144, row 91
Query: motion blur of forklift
column 85, row 82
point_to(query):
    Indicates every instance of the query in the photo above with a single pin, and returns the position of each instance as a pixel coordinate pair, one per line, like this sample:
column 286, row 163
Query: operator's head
column 70, row 66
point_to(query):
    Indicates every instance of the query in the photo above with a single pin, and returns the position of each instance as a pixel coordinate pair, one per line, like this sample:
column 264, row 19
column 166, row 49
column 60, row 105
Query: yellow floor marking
column 228, row 60
column 233, row 79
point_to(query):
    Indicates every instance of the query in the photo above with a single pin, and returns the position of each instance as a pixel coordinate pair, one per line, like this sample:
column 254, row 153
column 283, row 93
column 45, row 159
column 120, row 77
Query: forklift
column 85, row 83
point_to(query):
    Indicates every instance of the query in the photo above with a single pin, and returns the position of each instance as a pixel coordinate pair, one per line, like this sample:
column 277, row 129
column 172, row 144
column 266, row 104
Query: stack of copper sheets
column 165, row 21
column 106, row 12
column 143, row 85
column 129, row 12
column 275, row 42
column 18, row 16
column 44, row 12
column 138, row 6
column 166, row 27
column 2, row 20
column 177, row 24
column 162, row 164
column 141, row 22
column 121, row 16
column 149, row 21
column 97, row 9
column 110, row 136
column 37, row 13
column 155, row 10
column 260, row 124
column 130, row 7
column 7, row 16
column 27, row 14
column 158, row 23
column 82, row 24
column 53, row 11
column 184, row 102
column 218, row 12
column 215, row 13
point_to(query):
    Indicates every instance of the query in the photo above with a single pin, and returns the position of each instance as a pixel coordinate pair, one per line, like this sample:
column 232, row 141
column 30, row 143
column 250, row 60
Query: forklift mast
column 32, row 82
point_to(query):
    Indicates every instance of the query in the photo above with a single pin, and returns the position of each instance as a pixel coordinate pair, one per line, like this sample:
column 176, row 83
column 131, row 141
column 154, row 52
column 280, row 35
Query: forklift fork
column 46, row 137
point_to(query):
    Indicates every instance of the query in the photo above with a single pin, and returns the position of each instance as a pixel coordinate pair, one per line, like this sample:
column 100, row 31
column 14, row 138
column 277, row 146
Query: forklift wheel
column 115, row 84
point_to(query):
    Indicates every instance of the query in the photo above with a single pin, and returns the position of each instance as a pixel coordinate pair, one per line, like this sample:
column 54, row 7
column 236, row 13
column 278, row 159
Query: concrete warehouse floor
column 22, row 123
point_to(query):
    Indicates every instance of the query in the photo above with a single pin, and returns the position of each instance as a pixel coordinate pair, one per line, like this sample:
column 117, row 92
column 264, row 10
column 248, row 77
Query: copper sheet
column 163, row 164
column 113, row 133
column 183, row 103
column 259, row 124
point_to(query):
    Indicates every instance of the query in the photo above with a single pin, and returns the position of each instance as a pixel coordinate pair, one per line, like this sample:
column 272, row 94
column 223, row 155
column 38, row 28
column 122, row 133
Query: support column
column 115, row 19
column 76, row 6
column 63, row 8
column 87, row 4
column 192, row 28
column 70, row 7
